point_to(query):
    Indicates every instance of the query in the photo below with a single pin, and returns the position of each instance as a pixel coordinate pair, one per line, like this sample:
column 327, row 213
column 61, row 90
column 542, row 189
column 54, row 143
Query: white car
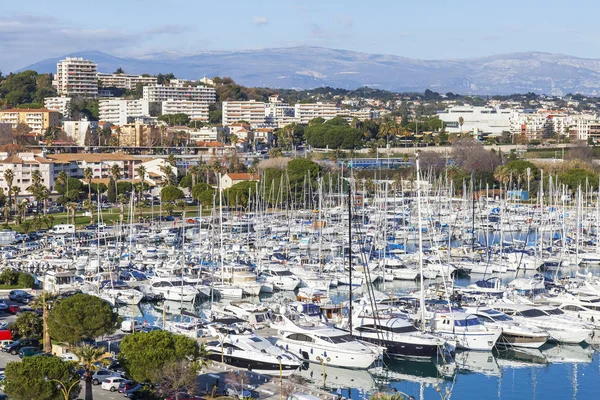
column 112, row 383
column 4, row 343
column 102, row 374
column 68, row 357
column 126, row 325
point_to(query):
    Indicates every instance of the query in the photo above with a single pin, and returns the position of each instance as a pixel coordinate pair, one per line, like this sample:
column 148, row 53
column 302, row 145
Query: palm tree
column 9, row 176
column 115, row 171
column 42, row 195
column 89, row 357
column 45, row 301
column 15, row 191
column 167, row 171
column 88, row 174
column 461, row 122
column 89, row 207
column 122, row 200
column 36, row 177
column 71, row 208
column 195, row 172
column 171, row 160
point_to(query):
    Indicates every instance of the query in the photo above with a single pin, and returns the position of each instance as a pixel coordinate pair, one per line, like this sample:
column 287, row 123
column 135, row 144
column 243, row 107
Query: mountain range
column 308, row 67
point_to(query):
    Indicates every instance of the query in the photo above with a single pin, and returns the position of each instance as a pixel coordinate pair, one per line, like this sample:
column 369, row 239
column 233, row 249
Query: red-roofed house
column 230, row 179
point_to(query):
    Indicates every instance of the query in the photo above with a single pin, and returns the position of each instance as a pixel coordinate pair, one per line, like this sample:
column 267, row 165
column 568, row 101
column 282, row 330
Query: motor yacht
column 254, row 353
column 466, row 329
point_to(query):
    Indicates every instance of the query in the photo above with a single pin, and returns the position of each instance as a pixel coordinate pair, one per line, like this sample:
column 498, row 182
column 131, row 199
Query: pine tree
column 111, row 192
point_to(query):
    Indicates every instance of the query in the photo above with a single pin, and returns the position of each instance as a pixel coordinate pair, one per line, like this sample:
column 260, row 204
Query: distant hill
column 309, row 67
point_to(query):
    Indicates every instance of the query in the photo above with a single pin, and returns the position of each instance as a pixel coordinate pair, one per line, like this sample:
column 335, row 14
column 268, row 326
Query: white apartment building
column 60, row 104
column 196, row 110
column 125, row 81
column 204, row 134
column 533, row 125
column 477, row 119
column 582, row 125
column 118, row 111
column 76, row 77
column 251, row 111
column 78, row 129
column 156, row 93
column 305, row 112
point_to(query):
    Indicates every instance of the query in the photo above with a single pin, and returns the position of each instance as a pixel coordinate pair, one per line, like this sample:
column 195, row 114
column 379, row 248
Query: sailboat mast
column 350, row 254
column 419, row 222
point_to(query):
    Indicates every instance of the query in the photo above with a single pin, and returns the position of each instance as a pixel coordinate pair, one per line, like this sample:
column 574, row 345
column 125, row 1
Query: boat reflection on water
column 482, row 362
column 427, row 372
column 568, row 353
column 521, row 358
column 337, row 378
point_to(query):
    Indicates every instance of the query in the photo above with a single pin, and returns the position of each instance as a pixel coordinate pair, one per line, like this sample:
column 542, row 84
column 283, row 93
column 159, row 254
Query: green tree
column 171, row 193
column 111, row 193
column 35, row 378
column 204, row 193
column 143, row 354
column 174, row 119
column 27, row 324
column 68, row 322
column 26, row 280
column 240, row 193
column 90, row 357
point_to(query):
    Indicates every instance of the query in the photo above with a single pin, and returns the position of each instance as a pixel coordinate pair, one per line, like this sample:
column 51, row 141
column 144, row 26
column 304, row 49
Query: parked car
column 68, row 357
column 15, row 347
column 3, row 306
column 17, row 294
column 29, row 351
column 4, row 343
column 126, row 385
column 127, row 326
column 101, row 374
column 13, row 309
column 231, row 391
column 112, row 383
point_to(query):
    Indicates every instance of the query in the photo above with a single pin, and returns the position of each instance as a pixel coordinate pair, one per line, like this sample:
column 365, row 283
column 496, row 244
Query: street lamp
column 322, row 360
column 63, row 388
column 280, row 378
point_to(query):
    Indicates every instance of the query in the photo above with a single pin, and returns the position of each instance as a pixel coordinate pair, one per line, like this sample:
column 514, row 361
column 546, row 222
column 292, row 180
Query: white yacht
column 172, row 289
column 559, row 329
column 281, row 278
column 513, row 333
column 119, row 292
column 396, row 333
column 466, row 329
column 254, row 353
column 318, row 343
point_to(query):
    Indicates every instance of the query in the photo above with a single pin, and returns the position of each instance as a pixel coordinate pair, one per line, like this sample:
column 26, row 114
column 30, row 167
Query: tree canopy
column 143, row 354
column 171, row 193
column 81, row 316
column 26, row 380
column 239, row 194
column 204, row 193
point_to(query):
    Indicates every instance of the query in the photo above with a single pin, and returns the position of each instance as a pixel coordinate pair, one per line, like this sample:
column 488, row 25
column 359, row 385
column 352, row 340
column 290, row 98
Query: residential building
column 120, row 111
column 204, row 134
column 305, row 112
column 593, row 131
column 196, row 110
column 528, row 123
column 60, row 104
column 125, row 81
column 488, row 120
column 581, row 126
column 138, row 134
column 100, row 164
column 251, row 111
column 76, row 76
column 156, row 93
column 230, row 179
column 78, row 129
column 38, row 119
column 23, row 164
column 155, row 168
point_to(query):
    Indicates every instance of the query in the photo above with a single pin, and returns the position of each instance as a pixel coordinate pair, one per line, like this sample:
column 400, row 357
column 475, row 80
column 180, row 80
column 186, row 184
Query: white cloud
column 260, row 21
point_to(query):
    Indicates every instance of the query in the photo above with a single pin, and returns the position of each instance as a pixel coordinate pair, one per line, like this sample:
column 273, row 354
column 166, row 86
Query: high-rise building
column 121, row 111
column 125, row 81
column 76, row 77
column 156, row 93
column 196, row 110
column 60, row 104
column 253, row 112
column 305, row 112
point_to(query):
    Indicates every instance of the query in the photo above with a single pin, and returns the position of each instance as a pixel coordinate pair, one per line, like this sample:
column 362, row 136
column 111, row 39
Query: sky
column 426, row 29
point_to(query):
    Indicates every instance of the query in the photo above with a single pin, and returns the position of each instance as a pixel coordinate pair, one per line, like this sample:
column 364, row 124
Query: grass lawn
column 109, row 217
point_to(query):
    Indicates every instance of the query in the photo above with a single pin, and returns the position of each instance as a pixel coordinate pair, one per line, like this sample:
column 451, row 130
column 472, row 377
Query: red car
column 13, row 309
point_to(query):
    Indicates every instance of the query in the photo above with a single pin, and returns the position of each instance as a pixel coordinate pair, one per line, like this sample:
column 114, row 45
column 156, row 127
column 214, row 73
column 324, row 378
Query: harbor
column 345, row 291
